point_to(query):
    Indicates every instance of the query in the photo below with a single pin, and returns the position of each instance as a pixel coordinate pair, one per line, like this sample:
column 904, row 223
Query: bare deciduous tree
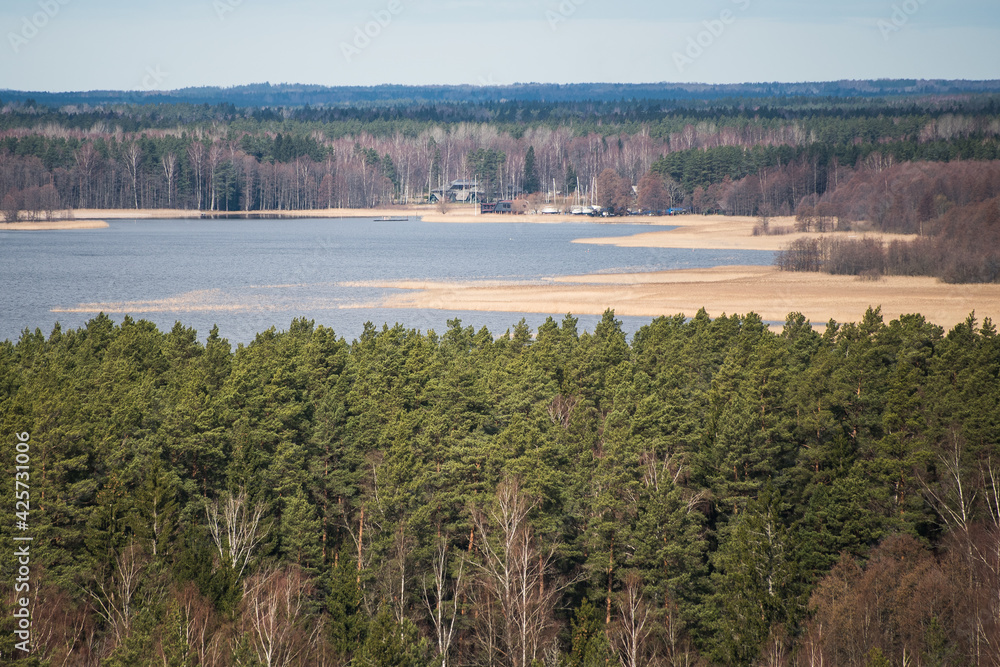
column 634, row 625
column 443, row 611
column 516, row 573
column 86, row 161
column 653, row 193
column 169, row 163
column 132, row 157
column 236, row 528
column 214, row 160
column 115, row 597
column 399, row 569
column 196, row 154
column 197, row 625
column 273, row 615
column 11, row 206
column 60, row 627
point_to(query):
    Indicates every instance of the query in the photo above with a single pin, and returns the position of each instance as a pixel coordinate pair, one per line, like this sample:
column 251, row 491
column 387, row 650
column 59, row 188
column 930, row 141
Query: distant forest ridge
column 293, row 95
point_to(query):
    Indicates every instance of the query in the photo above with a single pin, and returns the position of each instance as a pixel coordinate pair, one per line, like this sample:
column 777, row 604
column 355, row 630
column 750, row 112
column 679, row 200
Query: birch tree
column 132, row 157
column 169, row 164
column 237, row 529
column 516, row 574
column 441, row 599
column 274, row 616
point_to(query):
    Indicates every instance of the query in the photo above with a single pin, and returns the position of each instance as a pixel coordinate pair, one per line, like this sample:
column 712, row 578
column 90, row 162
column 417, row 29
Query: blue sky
column 165, row 44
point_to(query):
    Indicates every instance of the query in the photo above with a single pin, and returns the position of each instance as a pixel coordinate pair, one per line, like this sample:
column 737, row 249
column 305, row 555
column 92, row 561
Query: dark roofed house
column 457, row 191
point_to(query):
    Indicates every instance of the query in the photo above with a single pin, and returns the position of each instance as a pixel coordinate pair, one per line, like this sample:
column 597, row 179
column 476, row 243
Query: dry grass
column 770, row 293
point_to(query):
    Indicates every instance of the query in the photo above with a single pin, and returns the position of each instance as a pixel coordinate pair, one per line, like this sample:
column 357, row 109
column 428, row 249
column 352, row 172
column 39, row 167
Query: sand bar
column 770, row 293
column 52, row 224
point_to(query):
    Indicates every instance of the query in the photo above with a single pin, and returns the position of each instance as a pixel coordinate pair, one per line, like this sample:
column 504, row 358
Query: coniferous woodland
column 706, row 493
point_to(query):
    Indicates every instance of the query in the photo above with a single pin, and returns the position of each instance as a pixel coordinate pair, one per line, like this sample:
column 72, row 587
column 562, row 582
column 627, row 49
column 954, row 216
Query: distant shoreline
column 456, row 213
column 194, row 214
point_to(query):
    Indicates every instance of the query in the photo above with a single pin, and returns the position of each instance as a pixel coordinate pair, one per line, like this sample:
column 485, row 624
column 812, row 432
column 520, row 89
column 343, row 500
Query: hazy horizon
column 513, row 84
column 73, row 45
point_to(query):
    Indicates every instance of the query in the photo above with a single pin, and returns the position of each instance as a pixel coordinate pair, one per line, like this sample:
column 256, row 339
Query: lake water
column 248, row 276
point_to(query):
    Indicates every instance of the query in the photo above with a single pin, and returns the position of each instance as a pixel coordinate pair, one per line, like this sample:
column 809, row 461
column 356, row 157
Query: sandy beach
column 52, row 224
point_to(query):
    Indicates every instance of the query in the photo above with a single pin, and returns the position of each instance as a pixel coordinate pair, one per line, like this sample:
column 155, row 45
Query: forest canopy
column 707, row 491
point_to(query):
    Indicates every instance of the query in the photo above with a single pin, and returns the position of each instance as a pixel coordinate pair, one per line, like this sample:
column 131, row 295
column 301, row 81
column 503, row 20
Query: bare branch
column 236, row 528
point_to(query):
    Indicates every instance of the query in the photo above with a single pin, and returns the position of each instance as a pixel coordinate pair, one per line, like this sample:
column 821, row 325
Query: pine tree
column 155, row 514
column 347, row 628
column 299, row 533
column 531, row 182
column 392, row 644
column 757, row 584
column 589, row 645
column 571, row 179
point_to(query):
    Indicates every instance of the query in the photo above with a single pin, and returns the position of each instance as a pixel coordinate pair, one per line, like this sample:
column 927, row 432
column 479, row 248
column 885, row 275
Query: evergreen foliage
column 292, row 496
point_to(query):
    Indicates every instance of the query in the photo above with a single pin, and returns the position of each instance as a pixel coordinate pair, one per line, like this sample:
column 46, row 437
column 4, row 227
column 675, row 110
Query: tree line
column 708, row 492
column 732, row 159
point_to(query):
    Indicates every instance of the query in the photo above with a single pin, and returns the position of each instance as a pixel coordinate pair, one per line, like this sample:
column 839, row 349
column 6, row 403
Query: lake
column 250, row 275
